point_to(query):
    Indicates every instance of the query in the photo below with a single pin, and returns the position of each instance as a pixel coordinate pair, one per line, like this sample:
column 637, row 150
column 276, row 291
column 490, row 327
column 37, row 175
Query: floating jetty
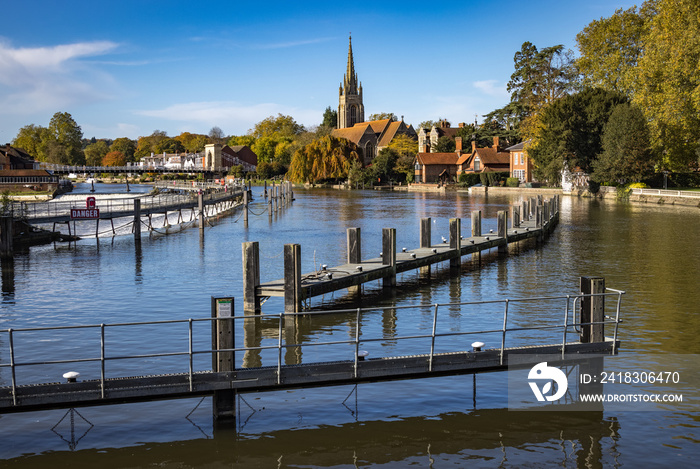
column 535, row 219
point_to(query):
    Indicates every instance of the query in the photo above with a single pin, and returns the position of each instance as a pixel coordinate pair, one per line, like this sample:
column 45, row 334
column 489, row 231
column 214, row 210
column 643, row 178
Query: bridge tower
column 212, row 156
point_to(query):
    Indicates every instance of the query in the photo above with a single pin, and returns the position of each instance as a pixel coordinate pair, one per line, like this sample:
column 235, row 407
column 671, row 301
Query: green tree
column 571, row 129
column 64, row 140
column 444, row 145
column 95, row 152
column 626, row 155
column 540, row 78
column 383, row 166
column 31, row 138
column 169, row 145
column 264, row 170
column 330, row 118
column 280, row 126
column 247, row 140
column 383, row 115
column 126, row 146
column 325, row 158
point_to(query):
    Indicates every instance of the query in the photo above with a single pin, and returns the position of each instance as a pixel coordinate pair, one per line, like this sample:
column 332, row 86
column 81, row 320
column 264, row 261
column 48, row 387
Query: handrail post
column 279, row 350
column 189, row 325
column 102, row 360
column 566, row 324
column 432, row 343
column 357, row 339
column 12, row 367
column 505, row 322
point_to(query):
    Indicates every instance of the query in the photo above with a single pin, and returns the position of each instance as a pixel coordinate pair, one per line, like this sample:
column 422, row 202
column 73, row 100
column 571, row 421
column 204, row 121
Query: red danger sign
column 84, row 213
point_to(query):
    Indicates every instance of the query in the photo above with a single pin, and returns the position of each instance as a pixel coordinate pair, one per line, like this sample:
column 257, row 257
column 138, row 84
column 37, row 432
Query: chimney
column 473, row 145
column 461, row 124
column 495, row 143
column 458, row 144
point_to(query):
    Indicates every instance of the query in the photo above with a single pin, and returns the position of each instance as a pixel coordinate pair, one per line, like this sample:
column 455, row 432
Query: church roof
column 354, row 133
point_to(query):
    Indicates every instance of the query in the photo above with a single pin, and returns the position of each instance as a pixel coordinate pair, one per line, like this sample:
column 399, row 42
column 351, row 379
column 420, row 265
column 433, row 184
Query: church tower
column 350, row 107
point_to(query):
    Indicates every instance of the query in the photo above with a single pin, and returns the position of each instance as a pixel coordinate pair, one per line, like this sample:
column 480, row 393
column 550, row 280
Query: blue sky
column 126, row 68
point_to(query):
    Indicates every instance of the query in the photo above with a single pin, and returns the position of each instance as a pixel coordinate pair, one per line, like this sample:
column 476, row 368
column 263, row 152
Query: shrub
column 512, row 182
column 638, row 185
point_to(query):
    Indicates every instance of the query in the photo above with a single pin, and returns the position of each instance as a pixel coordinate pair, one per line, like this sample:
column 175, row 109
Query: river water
column 649, row 251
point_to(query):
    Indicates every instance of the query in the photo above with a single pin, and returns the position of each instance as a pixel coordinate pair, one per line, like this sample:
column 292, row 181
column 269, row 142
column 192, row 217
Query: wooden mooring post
column 456, row 243
column 223, row 338
column 389, row 255
column 137, row 219
column 592, row 309
column 245, row 208
column 292, row 278
column 200, row 209
column 251, row 277
column 503, row 229
column 425, row 241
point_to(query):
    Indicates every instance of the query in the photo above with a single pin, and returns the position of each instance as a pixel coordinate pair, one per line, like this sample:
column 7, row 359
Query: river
column 649, row 251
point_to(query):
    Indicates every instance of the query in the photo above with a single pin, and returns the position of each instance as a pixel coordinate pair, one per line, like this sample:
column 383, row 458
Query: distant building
column 446, row 167
column 486, row 159
column 371, row 136
column 429, row 138
column 520, row 164
column 20, row 173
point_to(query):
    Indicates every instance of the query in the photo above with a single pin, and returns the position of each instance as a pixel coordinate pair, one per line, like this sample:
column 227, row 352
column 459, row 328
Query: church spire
column 350, row 81
column 350, row 107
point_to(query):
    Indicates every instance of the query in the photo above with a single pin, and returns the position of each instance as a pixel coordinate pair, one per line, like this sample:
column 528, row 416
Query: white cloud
column 233, row 117
column 51, row 78
column 492, row 88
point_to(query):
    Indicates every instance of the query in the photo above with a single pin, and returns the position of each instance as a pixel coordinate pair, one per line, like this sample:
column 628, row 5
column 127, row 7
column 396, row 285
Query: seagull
column 444, row 240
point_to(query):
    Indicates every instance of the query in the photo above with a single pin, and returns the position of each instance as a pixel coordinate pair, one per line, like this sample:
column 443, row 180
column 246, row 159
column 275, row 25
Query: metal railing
column 128, row 169
column 667, row 193
column 569, row 323
column 109, row 207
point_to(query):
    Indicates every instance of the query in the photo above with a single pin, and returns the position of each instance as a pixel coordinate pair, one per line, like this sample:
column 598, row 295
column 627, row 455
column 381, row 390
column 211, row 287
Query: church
column 370, row 136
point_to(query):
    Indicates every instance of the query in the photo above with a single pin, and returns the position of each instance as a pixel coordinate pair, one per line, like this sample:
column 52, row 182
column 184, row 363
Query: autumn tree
column 114, row 158
column 193, row 143
column 610, row 49
column 149, row 144
column 126, row 146
column 325, row 158
column 668, row 88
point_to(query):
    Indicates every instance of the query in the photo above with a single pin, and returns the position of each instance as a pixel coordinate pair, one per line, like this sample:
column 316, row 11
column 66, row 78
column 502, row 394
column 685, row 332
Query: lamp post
column 665, row 180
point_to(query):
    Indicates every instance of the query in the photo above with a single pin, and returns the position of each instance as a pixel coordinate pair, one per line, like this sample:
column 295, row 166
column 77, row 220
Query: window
column 522, row 158
column 353, row 115
column 477, row 164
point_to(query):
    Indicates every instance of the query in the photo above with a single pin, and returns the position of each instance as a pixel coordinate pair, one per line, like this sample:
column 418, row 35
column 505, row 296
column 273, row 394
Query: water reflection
column 8, row 279
column 495, row 437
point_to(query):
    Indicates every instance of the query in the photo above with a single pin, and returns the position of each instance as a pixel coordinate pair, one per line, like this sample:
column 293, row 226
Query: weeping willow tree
column 325, row 158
